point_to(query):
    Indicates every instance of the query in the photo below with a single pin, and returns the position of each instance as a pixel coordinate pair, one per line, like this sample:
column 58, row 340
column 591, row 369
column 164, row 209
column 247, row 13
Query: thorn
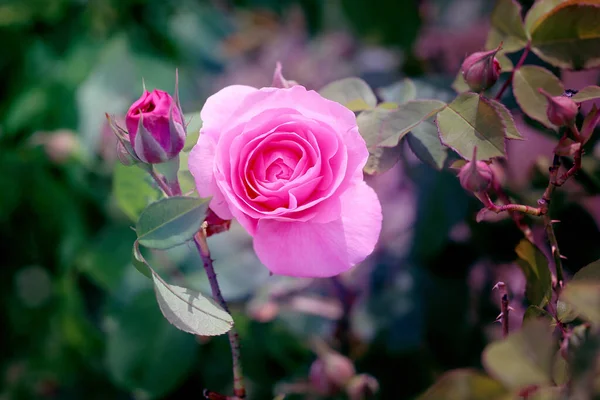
column 563, row 257
column 510, row 308
column 554, row 221
column 499, row 317
column 499, row 285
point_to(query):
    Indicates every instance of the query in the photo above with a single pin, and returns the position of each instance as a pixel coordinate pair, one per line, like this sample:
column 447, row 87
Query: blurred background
column 77, row 321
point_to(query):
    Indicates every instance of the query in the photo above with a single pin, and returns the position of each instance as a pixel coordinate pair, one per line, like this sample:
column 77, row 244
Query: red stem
column 512, row 74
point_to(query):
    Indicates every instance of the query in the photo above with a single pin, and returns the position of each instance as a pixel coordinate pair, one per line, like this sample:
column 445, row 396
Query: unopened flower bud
column 561, row 110
column 214, row 224
column 155, row 127
column 362, row 387
column 476, row 176
column 330, row 372
column 481, row 70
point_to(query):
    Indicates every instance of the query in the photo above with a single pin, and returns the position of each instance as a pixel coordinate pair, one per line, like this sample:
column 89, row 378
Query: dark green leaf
column 139, row 262
column 353, row 93
column 535, row 267
column 472, row 121
column 424, row 141
column 382, row 159
column 133, row 189
column 569, row 35
column 590, row 274
column 507, row 119
column 465, row 384
column 524, row 358
column 170, row 222
column 144, row 353
column 507, row 27
column 587, row 93
column 526, row 82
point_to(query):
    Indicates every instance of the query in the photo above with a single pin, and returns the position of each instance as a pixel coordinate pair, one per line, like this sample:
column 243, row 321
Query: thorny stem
column 161, row 182
column 512, row 74
column 516, row 216
column 234, row 341
column 239, row 390
column 504, row 308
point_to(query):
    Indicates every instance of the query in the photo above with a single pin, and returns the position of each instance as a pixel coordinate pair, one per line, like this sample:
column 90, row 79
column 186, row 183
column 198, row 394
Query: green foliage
column 568, row 36
column 524, row 358
column 144, row 353
column 472, row 121
column 535, row 267
column 584, row 297
column 189, row 311
column 507, row 27
column 384, row 128
column 526, row 82
column 507, row 120
column 353, row 93
column 170, row 222
column 587, row 93
column 133, row 189
column 537, row 11
column 424, row 141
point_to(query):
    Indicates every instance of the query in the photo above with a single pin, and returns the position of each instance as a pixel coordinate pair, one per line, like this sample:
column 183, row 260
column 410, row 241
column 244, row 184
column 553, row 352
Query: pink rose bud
column 481, row 70
column 561, row 110
column 362, row 387
column 156, row 128
column 329, row 373
column 476, row 176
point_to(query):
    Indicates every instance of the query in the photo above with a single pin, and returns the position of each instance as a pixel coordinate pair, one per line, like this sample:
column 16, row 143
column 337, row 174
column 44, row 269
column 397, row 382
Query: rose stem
column 512, row 74
column 200, row 241
column 505, row 310
column 234, row 341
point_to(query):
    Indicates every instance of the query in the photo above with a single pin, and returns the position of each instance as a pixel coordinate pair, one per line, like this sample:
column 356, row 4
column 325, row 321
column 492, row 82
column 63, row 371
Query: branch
column 234, row 341
column 512, row 74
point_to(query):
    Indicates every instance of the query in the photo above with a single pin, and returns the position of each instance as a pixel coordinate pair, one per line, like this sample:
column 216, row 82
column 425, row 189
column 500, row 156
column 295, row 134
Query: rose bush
column 288, row 165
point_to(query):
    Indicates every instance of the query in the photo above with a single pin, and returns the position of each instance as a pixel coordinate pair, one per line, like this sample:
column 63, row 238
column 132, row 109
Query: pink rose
column 287, row 164
column 163, row 134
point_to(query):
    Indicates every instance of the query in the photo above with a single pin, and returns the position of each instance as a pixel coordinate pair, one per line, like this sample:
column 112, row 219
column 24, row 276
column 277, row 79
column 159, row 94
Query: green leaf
column 537, row 11
column 171, row 222
column 460, row 85
column 382, row 127
column 472, row 121
column 534, row 312
column 524, row 358
column 505, row 64
column 424, row 141
column 526, row 82
column 507, row 119
column 584, row 297
column 382, row 159
column 465, row 384
column 194, row 123
column 507, row 27
column 400, row 92
column 190, row 311
column 133, row 189
column 353, row 93
column 506, row 18
column 569, row 35
column 590, row 274
column 144, row 353
column 587, row 93
column 139, row 262
column 535, row 267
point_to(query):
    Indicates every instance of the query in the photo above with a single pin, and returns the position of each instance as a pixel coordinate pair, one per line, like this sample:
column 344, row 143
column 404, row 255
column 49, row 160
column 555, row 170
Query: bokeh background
column 77, row 321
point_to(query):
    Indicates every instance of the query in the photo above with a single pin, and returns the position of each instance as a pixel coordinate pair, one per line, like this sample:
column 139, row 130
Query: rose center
column 146, row 108
column 278, row 171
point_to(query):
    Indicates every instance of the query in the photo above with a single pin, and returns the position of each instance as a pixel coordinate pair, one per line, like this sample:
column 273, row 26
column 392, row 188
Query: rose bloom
column 288, row 165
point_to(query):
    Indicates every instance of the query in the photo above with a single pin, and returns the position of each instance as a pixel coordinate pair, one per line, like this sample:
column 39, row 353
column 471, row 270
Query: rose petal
column 308, row 249
column 201, row 166
column 220, row 107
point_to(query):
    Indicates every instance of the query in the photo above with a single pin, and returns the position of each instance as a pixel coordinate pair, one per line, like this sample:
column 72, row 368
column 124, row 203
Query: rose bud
column 476, row 176
column 561, row 110
column 215, row 224
column 330, row 372
column 362, row 387
column 156, row 128
column 481, row 70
